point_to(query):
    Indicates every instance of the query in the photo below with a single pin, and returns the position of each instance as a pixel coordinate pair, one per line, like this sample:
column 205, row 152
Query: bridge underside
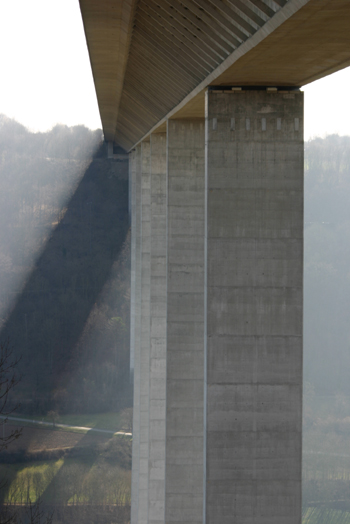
column 152, row 58
column 205, row 96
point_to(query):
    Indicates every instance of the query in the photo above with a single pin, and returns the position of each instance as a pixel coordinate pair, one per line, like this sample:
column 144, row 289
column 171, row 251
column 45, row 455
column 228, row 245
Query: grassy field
column 326, row 460
column 27, row 481
column 66, row 481
column 326, row 516
column 65, row 468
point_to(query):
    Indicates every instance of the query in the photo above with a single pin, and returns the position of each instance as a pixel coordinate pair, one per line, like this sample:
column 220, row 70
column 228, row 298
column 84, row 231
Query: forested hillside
column 326, row 429
column 64, row 268
column 327, row 265
column 63, row 235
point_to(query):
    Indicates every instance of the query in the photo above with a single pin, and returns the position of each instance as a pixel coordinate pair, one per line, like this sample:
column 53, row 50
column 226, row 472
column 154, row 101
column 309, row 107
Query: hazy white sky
column 44, row 64
column 45, row 74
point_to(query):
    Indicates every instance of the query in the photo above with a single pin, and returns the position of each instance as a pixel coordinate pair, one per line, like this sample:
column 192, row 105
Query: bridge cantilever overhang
column 152, row 59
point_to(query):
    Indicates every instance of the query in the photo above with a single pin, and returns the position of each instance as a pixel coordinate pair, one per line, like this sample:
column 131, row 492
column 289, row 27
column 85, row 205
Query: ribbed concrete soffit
column 108, row 30
column 175, row 45
column 152, row 59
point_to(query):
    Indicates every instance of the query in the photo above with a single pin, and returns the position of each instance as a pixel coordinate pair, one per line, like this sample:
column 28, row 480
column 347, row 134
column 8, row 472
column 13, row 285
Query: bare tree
column 126, row 419
column 9, row 378
column 33, row 514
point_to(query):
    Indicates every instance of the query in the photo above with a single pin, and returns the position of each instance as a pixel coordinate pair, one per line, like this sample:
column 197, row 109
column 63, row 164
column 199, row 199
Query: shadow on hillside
column 51, row 312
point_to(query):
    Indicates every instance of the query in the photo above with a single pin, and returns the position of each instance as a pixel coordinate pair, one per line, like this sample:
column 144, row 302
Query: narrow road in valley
column 65, row 426
column 326, row 453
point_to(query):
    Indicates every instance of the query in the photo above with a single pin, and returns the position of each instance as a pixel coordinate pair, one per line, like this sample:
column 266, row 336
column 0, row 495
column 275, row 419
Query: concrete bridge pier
column 253, row 306
column 158, row 330
column 145, row 332
column 185, row 429
column 135, row 318
column 224, row 342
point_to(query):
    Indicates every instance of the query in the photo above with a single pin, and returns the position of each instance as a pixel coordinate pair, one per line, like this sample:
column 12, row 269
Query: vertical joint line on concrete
column 206, row 135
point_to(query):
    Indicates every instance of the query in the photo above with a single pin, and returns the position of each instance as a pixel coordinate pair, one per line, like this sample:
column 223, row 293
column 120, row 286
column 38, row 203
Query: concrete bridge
column 205, row 96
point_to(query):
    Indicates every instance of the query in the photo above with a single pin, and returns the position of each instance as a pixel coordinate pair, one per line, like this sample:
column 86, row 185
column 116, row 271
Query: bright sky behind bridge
column 45, row 74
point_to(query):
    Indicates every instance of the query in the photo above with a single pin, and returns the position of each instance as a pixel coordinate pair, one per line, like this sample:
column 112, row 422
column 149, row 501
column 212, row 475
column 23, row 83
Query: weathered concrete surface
column 132, row 210
column 185, row 322
column 254, row 256
column 157, row 398
column 218, row 395
column 145, row 330
column 136, row 323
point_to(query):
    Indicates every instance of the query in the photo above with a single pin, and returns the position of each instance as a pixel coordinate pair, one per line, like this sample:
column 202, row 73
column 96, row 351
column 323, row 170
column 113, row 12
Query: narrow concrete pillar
column 145, row 331
column 254, row 265
column 135, row 334
column 130, row 189
column 185, row 322
column 157, row 398
column 132, row 210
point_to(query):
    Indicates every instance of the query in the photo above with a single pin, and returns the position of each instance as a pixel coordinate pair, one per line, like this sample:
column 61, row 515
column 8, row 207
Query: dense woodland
column 327, row 265
column 326, row 449
column 64, row 268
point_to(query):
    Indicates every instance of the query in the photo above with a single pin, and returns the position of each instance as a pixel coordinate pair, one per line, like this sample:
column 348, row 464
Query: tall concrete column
column 135, row 323
column 145, row 331
column 254, row 265
column 132, row 210
column 157, row 399
column 185, row 322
